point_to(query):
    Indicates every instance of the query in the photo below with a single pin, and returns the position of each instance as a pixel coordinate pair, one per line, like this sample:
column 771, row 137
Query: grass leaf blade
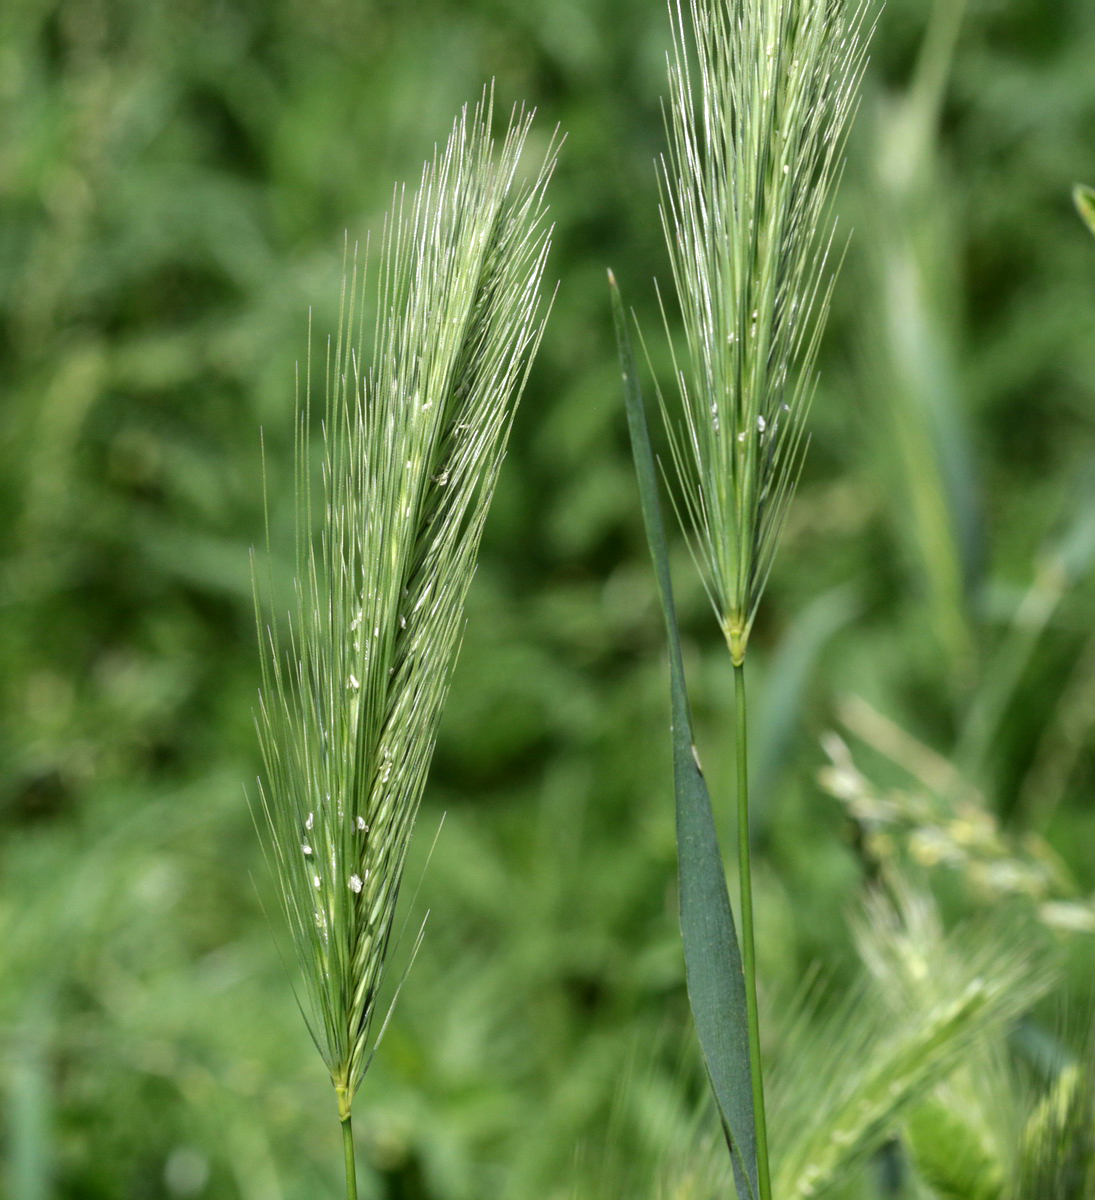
column 1085, row 204
column 716, row 982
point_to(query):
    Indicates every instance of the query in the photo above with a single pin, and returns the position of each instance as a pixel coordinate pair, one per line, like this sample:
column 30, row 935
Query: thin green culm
column 413, row 434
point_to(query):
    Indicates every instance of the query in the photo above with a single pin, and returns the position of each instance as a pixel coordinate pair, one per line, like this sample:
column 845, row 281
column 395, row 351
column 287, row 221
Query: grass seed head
column 412, row 438
column 761, row 92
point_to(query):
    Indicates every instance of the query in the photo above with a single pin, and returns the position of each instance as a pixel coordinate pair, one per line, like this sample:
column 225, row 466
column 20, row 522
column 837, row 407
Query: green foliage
column 990, row 1134
column 952, row 1150
column 716, row 983
column 1057, row 1151
column 840, row 1088
column 907, row 245
column 883, row 1059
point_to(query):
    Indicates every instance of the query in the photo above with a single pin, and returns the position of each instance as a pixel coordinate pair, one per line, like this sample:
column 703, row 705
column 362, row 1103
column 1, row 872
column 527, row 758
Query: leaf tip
column 1084, row 199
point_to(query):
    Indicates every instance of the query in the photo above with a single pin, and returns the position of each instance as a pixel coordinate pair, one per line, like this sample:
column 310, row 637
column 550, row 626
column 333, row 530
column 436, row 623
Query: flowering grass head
column 761, row 94
column 412, row 437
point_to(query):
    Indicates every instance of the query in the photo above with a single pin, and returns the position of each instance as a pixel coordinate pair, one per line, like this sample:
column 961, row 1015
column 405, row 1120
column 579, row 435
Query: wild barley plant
column 761, row 92
column 412, row 438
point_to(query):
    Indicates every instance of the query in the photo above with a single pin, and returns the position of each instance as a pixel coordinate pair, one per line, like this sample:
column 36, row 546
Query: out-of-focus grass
column 175, row 180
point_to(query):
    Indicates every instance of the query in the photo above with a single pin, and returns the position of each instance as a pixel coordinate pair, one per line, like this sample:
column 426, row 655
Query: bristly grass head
column 413, row 435
column 761, row 95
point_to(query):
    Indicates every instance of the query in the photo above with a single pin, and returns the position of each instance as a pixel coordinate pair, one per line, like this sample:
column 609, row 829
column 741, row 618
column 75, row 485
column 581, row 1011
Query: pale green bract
column 761, row 95
column 413, row 435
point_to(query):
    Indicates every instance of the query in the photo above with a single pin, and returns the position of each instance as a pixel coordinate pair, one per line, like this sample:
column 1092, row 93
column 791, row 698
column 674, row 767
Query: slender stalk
column 351, row 1164
column 749, row 958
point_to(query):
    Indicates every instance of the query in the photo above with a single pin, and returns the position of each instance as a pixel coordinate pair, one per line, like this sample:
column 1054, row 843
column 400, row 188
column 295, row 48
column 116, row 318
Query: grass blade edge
column 713, row 966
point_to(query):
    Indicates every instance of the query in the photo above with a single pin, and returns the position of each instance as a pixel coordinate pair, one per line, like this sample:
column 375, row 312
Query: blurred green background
column 176, row 183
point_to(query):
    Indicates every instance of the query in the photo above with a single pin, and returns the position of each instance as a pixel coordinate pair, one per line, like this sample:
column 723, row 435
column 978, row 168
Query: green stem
column 351, row 1165
column 749, row 958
